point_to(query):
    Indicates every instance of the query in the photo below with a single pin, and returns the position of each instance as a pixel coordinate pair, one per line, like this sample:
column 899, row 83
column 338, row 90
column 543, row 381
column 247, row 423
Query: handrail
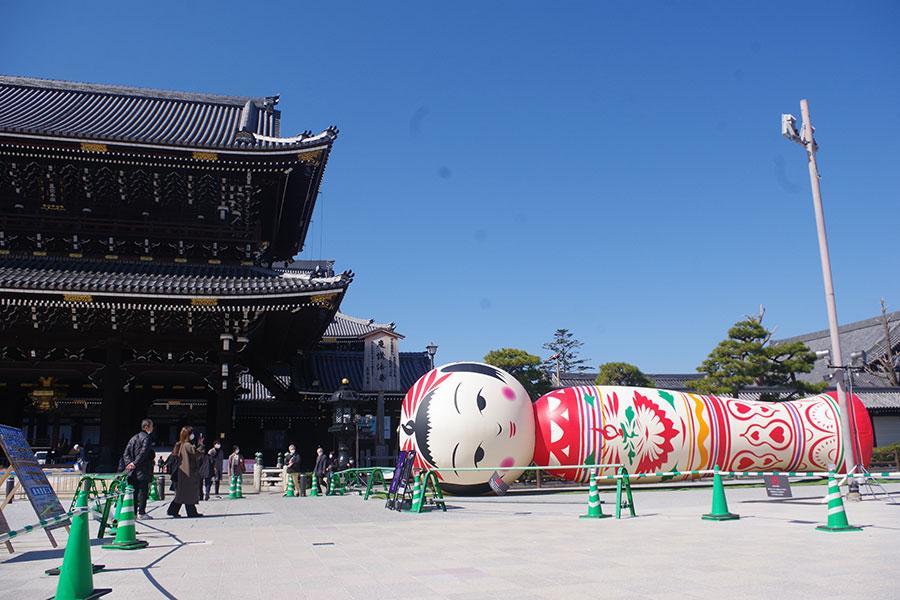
column 44, row 523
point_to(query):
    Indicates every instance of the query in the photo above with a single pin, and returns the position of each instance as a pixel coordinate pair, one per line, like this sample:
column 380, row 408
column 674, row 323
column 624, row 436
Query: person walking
column 187, row 475
column 215, row 467
column 292, row 465
column 320, row 468
column 137, row 461
column 205, row 472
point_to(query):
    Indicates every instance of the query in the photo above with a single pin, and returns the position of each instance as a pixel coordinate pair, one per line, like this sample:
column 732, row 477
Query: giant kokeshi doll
column 650, row 430
column 465, row 415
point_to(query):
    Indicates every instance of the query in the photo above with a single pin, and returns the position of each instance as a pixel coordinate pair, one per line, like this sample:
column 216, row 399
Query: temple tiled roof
column 345, row 326
column 105, row 113
column 330, row 367
column 27, row 274
column 669, row 381
column 318, row 268
column 866, row 336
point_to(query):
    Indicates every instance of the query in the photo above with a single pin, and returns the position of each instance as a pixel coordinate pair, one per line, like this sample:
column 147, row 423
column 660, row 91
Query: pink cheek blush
column 507, row 462
column 509, row 393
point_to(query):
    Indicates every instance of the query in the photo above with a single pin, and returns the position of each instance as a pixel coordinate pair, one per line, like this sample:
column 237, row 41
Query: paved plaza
column 519, row 547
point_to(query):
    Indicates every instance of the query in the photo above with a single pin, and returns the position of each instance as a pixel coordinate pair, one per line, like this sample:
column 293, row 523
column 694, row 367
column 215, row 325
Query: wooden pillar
column 380, row 447
column 225, row 391
column 212, row 404
column 111, row 408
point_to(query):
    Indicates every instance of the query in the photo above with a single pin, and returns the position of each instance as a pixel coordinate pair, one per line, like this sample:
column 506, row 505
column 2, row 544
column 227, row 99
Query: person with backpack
column 186, row 475
column 137, row 461
column 292, row 465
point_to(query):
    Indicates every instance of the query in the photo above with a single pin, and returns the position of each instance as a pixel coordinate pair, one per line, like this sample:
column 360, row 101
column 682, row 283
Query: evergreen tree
column 621, row 373
column 564, row 349
column 747, row 357
column 523, row 366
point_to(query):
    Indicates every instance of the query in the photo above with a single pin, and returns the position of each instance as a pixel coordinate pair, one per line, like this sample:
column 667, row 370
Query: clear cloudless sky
column 508, row 168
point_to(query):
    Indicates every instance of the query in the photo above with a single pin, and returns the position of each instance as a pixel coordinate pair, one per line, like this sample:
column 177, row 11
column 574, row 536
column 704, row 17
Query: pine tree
column 523, row 366
column 565, row 357
column 747, row 357
column 621, row 373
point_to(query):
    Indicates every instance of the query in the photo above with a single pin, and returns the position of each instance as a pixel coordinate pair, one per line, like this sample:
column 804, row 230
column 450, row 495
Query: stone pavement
column 520, row 547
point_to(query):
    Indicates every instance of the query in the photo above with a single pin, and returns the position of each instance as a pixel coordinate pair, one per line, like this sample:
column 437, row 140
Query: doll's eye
column 479, row 455
column 481, row 402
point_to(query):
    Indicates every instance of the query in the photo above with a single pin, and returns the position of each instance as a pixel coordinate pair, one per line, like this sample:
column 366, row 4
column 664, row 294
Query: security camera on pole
column 805, row 139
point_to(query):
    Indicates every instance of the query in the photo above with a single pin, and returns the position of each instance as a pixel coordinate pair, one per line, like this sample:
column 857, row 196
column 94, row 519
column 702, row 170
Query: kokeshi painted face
column 468, row 415
column 650, row 430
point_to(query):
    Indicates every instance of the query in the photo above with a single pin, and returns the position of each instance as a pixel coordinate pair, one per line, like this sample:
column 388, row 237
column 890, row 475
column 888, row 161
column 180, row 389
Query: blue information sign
column 31, row 475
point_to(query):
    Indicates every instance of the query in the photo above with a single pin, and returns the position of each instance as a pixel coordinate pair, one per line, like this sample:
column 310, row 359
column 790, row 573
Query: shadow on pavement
column 56, row 553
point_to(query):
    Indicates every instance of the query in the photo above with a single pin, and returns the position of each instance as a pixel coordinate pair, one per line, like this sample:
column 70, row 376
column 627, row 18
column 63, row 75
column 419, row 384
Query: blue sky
column 508, row 168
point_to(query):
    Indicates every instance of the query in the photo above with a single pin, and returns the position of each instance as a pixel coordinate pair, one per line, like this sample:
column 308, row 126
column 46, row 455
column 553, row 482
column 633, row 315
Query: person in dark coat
column 216, row 456
column 204, row 470
column 320, row 469
column 292, row 466
column 137, row 460
column 187, row 475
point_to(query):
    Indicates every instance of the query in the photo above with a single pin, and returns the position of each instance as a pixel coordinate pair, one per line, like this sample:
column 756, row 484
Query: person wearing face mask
column 236, row 462
column 292, row 465
column 215, row 468
column 187, row 482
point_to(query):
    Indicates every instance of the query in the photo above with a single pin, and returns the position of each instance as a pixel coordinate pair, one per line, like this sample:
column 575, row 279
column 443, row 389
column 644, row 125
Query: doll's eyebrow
column 453, row 458
column 455, row 401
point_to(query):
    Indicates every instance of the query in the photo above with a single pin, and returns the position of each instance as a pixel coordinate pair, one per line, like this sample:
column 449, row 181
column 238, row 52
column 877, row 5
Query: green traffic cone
column 837, row 518
column 126, row 538
column 239, row 485
column 290, row 492
column 418, row 494
column 153, row 496
column 111, row 530
column 719, row 510
column 76, row 579
column 232, row 488
column 314, row 490
column 595, row 511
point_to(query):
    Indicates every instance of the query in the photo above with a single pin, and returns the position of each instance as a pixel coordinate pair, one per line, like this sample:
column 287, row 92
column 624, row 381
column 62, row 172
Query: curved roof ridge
column 853, row 326
column 369, row 322
column 122, row 90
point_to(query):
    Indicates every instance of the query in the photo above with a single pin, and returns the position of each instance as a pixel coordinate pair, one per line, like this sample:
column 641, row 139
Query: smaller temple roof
column 330, row 367
column 345, row 326
column 140, row 116
column 81, row 276
column 867, row 336
column 668, row 381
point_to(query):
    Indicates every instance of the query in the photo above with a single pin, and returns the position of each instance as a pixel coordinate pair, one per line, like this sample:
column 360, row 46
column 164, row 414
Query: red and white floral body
column 650, row 430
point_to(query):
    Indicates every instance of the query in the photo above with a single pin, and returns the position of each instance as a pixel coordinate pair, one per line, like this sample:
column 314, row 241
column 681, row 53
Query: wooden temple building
column 146, row 268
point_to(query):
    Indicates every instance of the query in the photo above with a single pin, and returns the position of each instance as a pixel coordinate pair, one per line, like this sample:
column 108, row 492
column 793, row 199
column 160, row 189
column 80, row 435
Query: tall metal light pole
column 805, row 139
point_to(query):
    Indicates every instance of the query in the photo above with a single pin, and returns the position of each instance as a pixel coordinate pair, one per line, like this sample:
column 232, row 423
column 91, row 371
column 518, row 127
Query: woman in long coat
column 187, row 479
